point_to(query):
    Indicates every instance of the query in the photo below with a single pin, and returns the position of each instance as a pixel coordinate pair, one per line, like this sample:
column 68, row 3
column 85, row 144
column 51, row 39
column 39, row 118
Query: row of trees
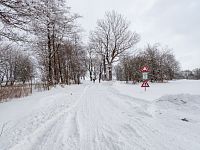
column 14, row 66
column 112, row 41
column 190, row 74
column 50, row 31
column 161, row 62
column 58, row 44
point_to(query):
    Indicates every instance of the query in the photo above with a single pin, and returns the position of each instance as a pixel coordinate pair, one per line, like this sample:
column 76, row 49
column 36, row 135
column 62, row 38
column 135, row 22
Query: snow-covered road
column 97, row 117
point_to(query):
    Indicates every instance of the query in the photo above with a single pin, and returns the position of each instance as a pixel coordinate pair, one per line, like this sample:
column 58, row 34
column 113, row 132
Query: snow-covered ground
column 105, row 116
column 156, row 90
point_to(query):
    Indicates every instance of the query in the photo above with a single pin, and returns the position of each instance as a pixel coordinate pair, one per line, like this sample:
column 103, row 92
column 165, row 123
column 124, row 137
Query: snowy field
column 105, row 116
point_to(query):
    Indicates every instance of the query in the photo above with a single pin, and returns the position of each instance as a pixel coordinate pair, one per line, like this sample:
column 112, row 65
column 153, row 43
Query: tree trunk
column 104, row 68
column 60, row 70
column 110, row 71
column 100, row 72
column 49, row 59
column 55, row 49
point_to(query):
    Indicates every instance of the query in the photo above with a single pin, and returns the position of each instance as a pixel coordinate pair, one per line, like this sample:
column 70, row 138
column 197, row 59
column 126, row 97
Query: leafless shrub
column 40, row 87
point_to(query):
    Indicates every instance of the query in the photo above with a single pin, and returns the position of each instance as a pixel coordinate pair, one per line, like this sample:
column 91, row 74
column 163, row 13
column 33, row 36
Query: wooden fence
column 20, row 90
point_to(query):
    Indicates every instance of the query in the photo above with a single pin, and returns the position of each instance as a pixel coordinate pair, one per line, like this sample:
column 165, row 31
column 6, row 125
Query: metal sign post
column 145, row 71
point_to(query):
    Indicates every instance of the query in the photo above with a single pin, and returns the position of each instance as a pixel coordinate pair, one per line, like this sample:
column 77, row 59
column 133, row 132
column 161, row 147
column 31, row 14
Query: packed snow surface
column 105, row 116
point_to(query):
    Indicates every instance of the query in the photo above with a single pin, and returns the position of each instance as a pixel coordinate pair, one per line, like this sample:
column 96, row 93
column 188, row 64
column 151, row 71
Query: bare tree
column 14, row 17
column 161, row 62
column 112, row 37
column 197, row 73
column 24, row 68
column 14, row 65
column 54, row 27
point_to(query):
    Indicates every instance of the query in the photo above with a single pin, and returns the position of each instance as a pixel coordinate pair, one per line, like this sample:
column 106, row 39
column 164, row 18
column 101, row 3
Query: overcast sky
column 175, row 23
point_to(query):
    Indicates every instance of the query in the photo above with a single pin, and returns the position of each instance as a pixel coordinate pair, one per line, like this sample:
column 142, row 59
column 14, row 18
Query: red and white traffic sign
column 145, row 84
column 144, row 69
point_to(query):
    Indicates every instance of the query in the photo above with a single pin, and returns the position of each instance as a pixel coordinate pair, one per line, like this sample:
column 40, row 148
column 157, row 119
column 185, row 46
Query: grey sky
column 175, row 23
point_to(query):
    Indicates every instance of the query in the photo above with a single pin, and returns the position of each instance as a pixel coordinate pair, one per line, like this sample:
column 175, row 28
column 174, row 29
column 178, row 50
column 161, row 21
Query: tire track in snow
column 99, row 118
column 102, row 123
column 65, row 128
column 32, row 141
column 52, row 122
column 126, row 123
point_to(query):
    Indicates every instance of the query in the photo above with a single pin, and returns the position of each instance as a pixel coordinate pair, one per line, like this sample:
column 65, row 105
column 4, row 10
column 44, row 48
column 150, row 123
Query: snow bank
column 156, row 90
column 179, row 117
column 183, row 106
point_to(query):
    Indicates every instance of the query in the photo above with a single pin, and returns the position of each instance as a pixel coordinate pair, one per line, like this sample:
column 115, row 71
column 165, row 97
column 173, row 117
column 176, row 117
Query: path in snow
column 92, row 117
